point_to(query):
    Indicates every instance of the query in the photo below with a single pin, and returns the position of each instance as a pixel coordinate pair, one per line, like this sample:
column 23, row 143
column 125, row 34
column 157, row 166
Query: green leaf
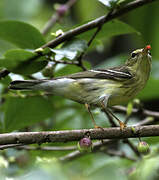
column 70, row 69
column 22, row 61
column 5, row 81
column 146, row 169
column 112, row 62
column 71, row 49
column 67, row 69
column 116, row 27
column 129, row 109
column 5, row 46
column 151, row 89
column 112, row 28
column 21, row 34
column 105, row 168
column 22, row 112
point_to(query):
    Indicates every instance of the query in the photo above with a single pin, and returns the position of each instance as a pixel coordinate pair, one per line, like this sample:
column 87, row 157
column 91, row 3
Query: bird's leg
column 122, row 125
column 92, row 118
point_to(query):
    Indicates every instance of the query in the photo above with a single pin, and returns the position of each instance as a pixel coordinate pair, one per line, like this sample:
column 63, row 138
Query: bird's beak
column 146, row 49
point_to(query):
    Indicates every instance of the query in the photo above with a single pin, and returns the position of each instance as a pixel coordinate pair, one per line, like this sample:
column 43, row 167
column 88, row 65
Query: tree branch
column 144, row 112
column 76, row 135
column 76, row 154
column 119, row 154
column 45, row 148
column 96, row 146
column 146, row 121
column 57, row 16
column 131, row 145
column 97, row 22
column 3, row 73
column 7, row 146
column 91, row 25
column 110, row 118
column 79, row 59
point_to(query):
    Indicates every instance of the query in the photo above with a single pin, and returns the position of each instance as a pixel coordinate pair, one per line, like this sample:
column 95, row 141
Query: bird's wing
column 118, row 73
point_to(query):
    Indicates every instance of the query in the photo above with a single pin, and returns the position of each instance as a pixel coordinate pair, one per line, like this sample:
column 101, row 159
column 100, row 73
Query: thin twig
column 146, row 121
column 110, row 118
column 65, row 62
column 93, row 24
column 97, row 22
column 50, row 24
column 45, row 148
column 96, row 147
column 48, row 148
column 76, row 154
column 71, row 156
column 57, row 16
column 127, row 118
column 79, row 59
column 119, row 154
column 145, row 112
column 131, row 145
column 2, row 147
column 3, row 73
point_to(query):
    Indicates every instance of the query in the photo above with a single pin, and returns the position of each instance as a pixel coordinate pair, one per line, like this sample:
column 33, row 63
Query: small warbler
column 101, row 87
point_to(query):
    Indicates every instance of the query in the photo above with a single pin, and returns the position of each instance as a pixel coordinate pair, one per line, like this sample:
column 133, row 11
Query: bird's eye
column 133, row 55
column 149, row 53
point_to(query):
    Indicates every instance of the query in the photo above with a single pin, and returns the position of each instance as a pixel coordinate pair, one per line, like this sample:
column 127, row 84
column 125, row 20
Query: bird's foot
column 98, row 127
column 122, row 125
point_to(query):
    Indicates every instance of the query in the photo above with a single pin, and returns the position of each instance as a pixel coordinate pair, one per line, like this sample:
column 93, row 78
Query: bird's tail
column 59, row 86
column 25, row 84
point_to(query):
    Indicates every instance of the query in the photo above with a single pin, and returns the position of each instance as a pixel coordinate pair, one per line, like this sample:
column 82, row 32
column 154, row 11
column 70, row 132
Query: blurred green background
column 110, row 48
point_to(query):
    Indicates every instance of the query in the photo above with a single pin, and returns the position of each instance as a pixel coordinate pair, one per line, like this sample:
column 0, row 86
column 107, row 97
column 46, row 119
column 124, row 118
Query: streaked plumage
column 112, row 86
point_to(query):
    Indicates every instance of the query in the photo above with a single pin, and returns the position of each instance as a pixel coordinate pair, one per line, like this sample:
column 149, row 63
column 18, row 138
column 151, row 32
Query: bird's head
column 140, row 60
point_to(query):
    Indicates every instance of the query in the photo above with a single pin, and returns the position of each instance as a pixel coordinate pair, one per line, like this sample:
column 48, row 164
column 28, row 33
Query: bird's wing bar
column 120, row 73
column 102, row 74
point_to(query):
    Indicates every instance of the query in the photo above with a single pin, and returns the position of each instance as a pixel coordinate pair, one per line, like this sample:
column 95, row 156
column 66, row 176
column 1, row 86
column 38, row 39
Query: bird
column 102, row 88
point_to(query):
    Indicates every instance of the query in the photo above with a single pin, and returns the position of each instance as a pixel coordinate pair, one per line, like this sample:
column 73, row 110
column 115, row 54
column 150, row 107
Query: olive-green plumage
column 112, row 86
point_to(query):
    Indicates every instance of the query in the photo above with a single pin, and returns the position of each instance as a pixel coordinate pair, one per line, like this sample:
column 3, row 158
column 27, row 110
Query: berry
column 85, row 145
column 143, row 147
column 62, row 9
column 148, row 47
